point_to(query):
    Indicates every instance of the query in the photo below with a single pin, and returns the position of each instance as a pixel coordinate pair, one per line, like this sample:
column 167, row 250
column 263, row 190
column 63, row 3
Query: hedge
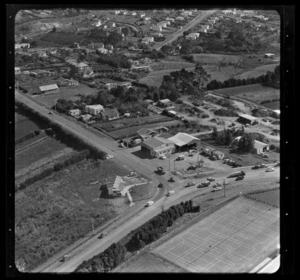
column 27, row 136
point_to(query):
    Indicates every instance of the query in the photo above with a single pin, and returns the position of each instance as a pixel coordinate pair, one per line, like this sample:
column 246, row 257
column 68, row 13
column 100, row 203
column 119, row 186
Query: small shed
column 260, row 147
column 246, row 119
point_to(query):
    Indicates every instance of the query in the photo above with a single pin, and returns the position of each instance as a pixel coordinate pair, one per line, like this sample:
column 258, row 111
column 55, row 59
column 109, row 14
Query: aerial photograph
column 147, row 140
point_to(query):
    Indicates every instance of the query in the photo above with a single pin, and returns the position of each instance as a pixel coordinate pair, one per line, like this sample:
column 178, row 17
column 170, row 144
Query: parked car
column 180, row 157
column 103, row 234
column 160, row 171
column 190, row 184
column 162, row 157
column 149, row 203
column 270, row 169
column 239, row 178
column 109, row 156
column 65, row 258
column 216, row 189
column 171, row 180
column 203, row 184
column 170, row 193
column 211, row 179
column 160, row 185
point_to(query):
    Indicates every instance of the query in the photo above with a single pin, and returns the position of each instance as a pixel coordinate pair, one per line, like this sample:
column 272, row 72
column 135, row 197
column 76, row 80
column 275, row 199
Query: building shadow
column 142, row 154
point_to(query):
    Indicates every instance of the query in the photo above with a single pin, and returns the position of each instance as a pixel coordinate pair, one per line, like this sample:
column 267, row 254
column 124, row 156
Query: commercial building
column 94, row 109
column 184, row 141
column 246, row 119
column 49, row 88
column 157, row 146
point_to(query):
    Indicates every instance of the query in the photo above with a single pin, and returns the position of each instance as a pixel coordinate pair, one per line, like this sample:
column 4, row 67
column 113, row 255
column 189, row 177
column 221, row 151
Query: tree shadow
column 142, row 155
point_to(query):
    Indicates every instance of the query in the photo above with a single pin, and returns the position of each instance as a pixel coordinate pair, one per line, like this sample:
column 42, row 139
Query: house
column 157, row 34
column 117, row 12
column 170, row 19
column 260, row 147
column 86, row 117
column 164, row 103
column 110, row 114
column 74, row 112
column 102, row 50
column 191, row 36
column 149, row 101
column 277, row 112
column 146, row 133
column 142, row 15
column 147, row 40
column 17, row 70
column 112, row 84
column 75, row 45
column 156, row 28
column 180, row 18
column 141, row 68
column 187, row 13
column 133, row 13
column 157, row 146
column 204, row 28
column 184, row 141
column 97, row 23
column 94, row 109
column 110, row 47
column 154, row 109
column 49, row 88
column 246, row 119
column 171, row 113
column 62, row 82
column 162, row 24
column 218, row 154
column 167, row 22
column 22, row 46
column 269, row 55
column 147, row 18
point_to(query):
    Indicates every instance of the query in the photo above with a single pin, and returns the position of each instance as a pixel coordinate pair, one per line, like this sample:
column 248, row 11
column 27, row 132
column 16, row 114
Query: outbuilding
column 94, row 109
column 246, row 119
column 184, row 141
column 74, row 112
column 49, row 88
column 269, row 55
column 260, row 147
column 157, row 146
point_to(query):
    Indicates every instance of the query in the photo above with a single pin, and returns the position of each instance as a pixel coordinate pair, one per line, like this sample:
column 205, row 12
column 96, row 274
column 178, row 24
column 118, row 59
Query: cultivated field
column 257, row 71
column 255, row 93
column 46, row 148
column 71, row 93
column 54, row 212
column 232, row 239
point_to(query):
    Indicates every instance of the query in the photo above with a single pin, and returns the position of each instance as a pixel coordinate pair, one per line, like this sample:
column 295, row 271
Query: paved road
column 201, row 17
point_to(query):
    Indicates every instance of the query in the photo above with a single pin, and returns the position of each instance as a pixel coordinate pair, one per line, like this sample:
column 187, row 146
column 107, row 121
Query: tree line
column 27, row 136
column 152, row 230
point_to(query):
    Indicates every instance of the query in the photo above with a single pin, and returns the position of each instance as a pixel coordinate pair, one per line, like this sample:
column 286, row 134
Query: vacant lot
column 46, row 148
column 71, row 93
column 207, row 58
column 56, row 211
column 232, row 239
column 255, row 93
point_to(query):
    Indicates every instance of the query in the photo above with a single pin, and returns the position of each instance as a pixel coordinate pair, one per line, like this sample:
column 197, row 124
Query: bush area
column 27, row 136
column 144, row 235
column 115, row 60
column 225, row 113
column 58, row 166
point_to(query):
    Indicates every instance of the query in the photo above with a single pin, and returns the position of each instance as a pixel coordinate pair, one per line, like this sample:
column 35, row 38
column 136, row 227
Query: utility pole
column 224, row 186
column 93, row 226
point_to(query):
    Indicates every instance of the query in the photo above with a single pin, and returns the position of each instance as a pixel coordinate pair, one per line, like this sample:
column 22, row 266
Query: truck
column 237, row 174
column 160, row 171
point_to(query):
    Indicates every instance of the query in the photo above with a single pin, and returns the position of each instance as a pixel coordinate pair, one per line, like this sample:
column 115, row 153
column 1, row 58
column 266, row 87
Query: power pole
column 93, row 226
column 224, row 187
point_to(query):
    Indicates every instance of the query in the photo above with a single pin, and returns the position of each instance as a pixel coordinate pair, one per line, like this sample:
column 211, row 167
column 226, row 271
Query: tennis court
column 232, row 239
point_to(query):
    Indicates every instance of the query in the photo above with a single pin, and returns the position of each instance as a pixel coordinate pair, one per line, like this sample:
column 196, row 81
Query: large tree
column 246, row 143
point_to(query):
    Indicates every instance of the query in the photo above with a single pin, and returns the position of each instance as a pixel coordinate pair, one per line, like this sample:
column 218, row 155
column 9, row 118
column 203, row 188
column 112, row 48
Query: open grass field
column 257, row 71
column 255, row 93
column 54, row 212
column 71, row 93
column 273, row 105
column 46, row 148
column 232, row 239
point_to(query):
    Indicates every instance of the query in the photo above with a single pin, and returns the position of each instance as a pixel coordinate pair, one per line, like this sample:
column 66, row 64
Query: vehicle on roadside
column 160, row 185
column 196, row 103
column 226, row 160
column 270, row 169
column 203, row 184
column 103, row 234
column 160, row 171
column 50, row 113
column 239, row 178
column 132, row 174
column 211, row 179
column 190, row 184
column 180, row 157
column 216, row 189
column 216, row 185
column 170, row 193
column 171, row 180
column 237, row 174
column 257, row 166
column 65, row 258
column 149, row 203
column 162, row 157
column 109, row 156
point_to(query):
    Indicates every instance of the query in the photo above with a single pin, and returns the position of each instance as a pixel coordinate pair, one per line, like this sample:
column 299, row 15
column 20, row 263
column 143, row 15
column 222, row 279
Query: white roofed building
column 49, row 88
column 94, row 109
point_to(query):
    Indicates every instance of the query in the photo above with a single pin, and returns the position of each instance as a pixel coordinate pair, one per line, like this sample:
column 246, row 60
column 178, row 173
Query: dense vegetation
column 144, row 235
column 27, row 136
column 115, row 60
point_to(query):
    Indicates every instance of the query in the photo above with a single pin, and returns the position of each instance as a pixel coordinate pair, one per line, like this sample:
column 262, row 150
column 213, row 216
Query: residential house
column 94, row 109
column 157, row 34
column 74, row 112
column 112, row 84
column 269, row 55
column 170, row 19
column 147, row 40
column 110, row 114
column 109, row 47
column 146, row 133
column 117, row 12
column 180, row 18
column 22, row 46
column 187, row 13
column 246, row 119
column 142, row 15
column 75, row 45
column 164, row 103
column 67, row 82
column 97, row 23
column 49, row 88
column 191, row 37
column 156, row 28
column 17, row 70
column 260, row 147
column 102, row 50
column 162, row 24
column 133, row 13
column 147, row 18
column 86, row 117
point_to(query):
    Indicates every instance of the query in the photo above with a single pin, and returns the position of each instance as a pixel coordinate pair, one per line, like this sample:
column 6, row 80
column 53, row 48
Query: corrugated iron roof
column 49, row 87
column 181, row 139
column 156, row 142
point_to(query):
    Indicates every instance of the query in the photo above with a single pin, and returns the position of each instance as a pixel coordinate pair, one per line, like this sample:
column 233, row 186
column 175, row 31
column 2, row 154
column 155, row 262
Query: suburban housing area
column 147, row 140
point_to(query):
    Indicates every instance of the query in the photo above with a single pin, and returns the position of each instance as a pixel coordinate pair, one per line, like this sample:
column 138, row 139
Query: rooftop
column 246, row 116
column 48, row 87
column 258, row 144
column 156, row 142
column 181, row 139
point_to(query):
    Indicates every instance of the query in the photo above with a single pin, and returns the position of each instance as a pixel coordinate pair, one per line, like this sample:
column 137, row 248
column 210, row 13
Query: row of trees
column 115, row 60
column 102, row 36
column 146, row 234
column 56, row 167
column 27, row 136
column 268, row 79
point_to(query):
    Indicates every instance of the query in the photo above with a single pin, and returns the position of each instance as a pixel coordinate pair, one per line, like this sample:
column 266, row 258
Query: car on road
column 203, row 184
column 216, row 189
column 211, row 179
column 109, row 156
column 65, row 258
column 239, row 178
column 170, row 193
column 180, row 157
column 162, row 157
column 171, row 180
column 196, row 103
column 160, row 171
column 270, row 169
column 103, row 234
column 190, row 184
column 149, row 203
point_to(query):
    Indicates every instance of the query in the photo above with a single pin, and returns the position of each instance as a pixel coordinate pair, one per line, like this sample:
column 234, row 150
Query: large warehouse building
column 184, row 141
column 157, row 146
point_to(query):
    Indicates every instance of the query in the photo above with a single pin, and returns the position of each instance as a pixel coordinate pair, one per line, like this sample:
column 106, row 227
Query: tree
column 33, row 44
column 215, row 133
column 246, row 143
column 114, row 38
column 186, row 48
column 125, row 31
column 201, row 74
column 54, row 29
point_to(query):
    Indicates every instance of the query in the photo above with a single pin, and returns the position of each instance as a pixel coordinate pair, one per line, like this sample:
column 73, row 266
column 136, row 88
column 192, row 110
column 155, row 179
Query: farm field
column 257, row 71
column 273, row 105
column 45, row 148
column 232, row 239
column 54, row 212
column 71, row 93
column 255, row 93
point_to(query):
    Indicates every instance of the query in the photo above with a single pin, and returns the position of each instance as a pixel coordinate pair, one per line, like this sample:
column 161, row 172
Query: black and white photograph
column 147, row 140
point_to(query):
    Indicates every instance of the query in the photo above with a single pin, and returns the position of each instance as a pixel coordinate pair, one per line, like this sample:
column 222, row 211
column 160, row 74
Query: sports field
column 232, row 239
